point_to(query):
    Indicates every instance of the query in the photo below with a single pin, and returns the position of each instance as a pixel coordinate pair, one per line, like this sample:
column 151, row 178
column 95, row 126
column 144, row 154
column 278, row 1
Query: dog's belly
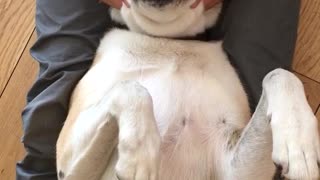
column 195, row 118
column 198, row 99
column 195, row 115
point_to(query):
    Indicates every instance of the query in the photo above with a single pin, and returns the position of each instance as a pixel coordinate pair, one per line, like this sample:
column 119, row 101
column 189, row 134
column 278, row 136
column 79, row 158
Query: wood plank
column 307, row 55
column 312, row 89
column 16, row 26
column 11, row 105
column 318, row 117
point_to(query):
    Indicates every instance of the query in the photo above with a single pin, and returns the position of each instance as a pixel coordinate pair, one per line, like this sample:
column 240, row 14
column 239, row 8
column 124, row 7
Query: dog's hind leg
column 251, row 157
column 124, row 117
column 283, row 130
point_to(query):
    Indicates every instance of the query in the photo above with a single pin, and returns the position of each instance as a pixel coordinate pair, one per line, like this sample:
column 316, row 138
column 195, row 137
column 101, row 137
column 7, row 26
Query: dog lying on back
column 153, row 107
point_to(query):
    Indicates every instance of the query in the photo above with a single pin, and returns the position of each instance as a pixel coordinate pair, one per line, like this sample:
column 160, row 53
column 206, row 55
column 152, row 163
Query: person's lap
column 68, row 34
column 259, row 36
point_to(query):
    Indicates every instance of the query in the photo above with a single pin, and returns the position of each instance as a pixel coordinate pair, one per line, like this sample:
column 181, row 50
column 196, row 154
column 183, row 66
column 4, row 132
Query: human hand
column 211, row 3
column 113, row 3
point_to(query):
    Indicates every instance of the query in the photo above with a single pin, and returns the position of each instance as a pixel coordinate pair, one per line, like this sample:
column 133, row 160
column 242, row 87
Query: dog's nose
column 154, row 12
column 157, row 3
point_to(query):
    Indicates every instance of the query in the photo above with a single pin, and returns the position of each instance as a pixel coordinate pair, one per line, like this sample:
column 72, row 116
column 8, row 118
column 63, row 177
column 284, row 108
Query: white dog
column 159, row 108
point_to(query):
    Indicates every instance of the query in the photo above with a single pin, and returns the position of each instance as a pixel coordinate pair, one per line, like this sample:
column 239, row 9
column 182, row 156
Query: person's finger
column 207, row 3
column 210, row 3
column 113, row 3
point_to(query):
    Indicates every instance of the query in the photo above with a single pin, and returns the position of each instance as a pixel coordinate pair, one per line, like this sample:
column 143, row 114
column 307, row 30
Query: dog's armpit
column 233, row 139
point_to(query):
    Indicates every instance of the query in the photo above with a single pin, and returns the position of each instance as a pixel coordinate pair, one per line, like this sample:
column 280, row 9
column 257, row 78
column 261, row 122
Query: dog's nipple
column 60, row 175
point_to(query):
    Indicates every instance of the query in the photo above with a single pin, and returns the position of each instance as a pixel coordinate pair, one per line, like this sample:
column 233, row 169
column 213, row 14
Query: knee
column 282, row 79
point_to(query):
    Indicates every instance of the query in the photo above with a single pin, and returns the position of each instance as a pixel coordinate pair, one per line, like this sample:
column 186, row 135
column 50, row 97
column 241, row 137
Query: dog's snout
column 158, row 3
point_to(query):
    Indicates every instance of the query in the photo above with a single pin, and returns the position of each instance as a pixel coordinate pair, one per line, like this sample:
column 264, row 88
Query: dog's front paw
column 296, row 145
column 139, row 159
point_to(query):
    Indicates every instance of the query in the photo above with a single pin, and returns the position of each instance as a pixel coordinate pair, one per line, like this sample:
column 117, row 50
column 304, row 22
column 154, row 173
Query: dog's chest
column 190, row 82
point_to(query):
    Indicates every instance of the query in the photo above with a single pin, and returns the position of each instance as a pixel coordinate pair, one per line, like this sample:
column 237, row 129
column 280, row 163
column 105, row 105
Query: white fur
column 294, row 127
column 180, row 110
column 174, row 21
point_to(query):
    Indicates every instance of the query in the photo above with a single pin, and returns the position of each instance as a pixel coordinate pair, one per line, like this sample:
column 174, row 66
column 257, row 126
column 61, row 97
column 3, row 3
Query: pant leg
column 68, row 35
column 259, row 36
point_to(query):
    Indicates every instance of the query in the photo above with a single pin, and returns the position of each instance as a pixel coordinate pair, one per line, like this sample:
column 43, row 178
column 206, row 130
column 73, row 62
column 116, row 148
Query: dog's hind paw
column 296, row 146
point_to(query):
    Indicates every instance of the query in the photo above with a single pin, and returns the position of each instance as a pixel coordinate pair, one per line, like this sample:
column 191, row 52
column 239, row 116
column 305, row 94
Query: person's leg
column 68, row 35
column 260, row 36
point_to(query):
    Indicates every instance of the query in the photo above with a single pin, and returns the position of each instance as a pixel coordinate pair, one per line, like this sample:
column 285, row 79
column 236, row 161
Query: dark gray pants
column 259, row 36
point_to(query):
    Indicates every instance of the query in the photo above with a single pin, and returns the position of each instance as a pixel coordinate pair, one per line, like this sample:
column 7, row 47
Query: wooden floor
column 18, row 70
